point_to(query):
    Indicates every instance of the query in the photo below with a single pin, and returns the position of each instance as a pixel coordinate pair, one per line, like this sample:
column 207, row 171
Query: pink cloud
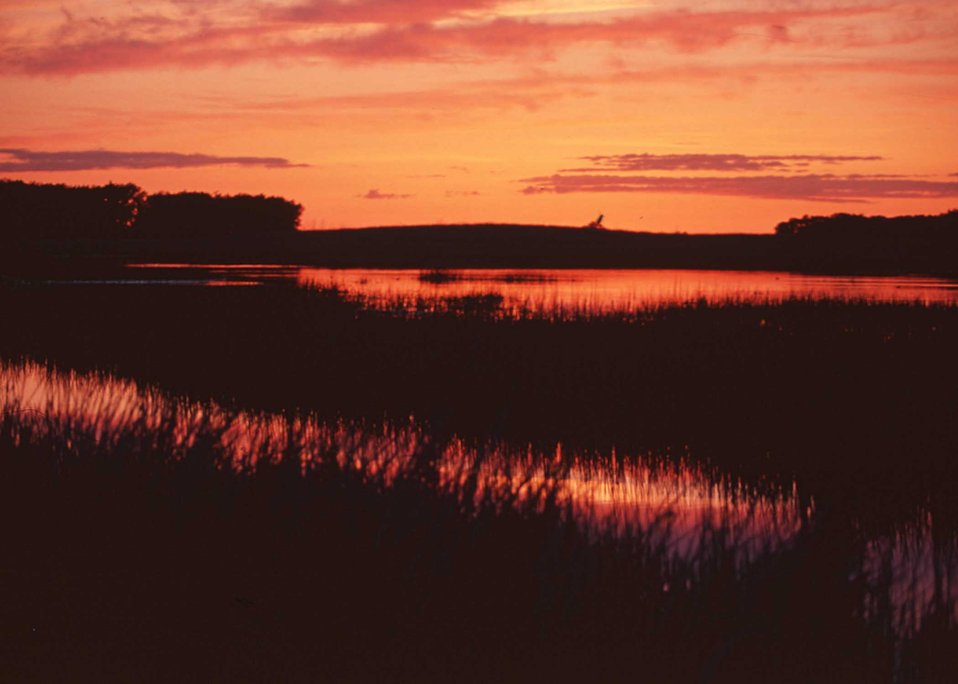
column 376, row 11
column 403, row 33
column 23, row 160
column 375, row 194
column 812, row 187
column 683, row 30
column 713, row 162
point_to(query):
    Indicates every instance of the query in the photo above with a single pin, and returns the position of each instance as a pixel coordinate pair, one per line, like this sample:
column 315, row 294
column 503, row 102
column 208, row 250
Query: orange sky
column 664, row 115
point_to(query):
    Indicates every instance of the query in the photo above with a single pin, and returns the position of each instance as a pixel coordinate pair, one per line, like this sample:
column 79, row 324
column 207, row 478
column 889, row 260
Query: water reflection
column 602, row 491
column 913, row 570
column 569, row 291
column 578, row 291
column 695, row 515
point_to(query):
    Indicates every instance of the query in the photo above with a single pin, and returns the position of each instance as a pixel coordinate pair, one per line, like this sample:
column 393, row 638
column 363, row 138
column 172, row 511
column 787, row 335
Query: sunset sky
column 714, row 115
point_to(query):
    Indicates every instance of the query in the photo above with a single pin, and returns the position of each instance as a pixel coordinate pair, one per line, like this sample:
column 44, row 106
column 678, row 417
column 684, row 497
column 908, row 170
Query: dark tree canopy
column 200, row 215
column 30, row 211
column 36, row 211
column 849, row 243
column 856, row 227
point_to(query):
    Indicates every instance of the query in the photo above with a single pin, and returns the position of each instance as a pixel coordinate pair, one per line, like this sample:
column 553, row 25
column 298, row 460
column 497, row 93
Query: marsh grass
column 136, row 548
column 132, row 557
column 800, row 387
column 544, row 304
column 153, row 534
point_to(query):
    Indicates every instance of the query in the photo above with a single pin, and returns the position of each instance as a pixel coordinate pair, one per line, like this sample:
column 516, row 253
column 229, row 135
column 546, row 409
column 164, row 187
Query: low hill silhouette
column 530, row 246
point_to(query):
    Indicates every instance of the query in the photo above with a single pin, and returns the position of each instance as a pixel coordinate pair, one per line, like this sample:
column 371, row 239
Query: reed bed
column 226, row 522
column 154, row 534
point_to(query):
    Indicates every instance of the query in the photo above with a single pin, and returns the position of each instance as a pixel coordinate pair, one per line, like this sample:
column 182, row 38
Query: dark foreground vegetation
column 55, row 229
column 802, row 389
column 131, row 560
column 126, row 564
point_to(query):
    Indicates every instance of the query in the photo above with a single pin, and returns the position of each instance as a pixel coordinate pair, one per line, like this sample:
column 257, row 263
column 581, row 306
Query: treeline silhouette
column 862, row 243
column 199, row 214
column 42, row 211
column 859, row 228
column 38, row 211
column 50, row 226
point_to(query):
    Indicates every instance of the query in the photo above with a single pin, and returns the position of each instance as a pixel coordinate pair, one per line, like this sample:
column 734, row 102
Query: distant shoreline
column 493, row 246
column 52, row 228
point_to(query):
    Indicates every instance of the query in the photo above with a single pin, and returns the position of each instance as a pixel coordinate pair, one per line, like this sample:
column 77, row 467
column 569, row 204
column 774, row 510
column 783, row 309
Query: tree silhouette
column 851, row 228
column 37, row 211
column 43, row 211
column 201, row 215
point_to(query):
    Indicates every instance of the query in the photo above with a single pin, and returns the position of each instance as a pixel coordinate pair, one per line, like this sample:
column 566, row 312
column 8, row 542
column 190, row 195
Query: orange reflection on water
column 671, row 502
column 561, row 291
column 608, row 493
column 596, row 291
column 916, row 568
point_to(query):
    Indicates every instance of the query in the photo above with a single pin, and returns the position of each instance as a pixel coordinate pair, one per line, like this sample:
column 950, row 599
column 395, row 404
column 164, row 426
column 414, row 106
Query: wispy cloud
column 811, row 187
column 388, row 30
column 19, row 159
column 375, row 194
column 376, row 11
column 783, row 176
column 714, row 162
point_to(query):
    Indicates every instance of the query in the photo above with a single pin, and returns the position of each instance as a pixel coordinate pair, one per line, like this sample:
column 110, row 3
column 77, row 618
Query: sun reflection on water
column 566, row 292
column 560, row 293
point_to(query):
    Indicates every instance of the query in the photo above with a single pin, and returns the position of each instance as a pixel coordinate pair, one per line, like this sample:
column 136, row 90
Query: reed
column 137, row 548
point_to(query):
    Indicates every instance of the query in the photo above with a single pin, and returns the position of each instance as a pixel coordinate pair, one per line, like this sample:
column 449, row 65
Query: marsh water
column 558, row 292
column 900, row 569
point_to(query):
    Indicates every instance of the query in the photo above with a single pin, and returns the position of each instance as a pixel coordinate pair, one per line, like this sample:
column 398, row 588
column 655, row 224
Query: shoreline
column 492, row 246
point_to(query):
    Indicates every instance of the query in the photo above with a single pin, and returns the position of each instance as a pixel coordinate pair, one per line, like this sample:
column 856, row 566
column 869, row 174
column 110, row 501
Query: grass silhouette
column 137, row 555
column 805, row 386
column 136, row 550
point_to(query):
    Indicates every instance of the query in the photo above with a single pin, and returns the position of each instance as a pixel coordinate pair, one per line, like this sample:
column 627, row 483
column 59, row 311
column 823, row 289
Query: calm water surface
column 575, row 290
